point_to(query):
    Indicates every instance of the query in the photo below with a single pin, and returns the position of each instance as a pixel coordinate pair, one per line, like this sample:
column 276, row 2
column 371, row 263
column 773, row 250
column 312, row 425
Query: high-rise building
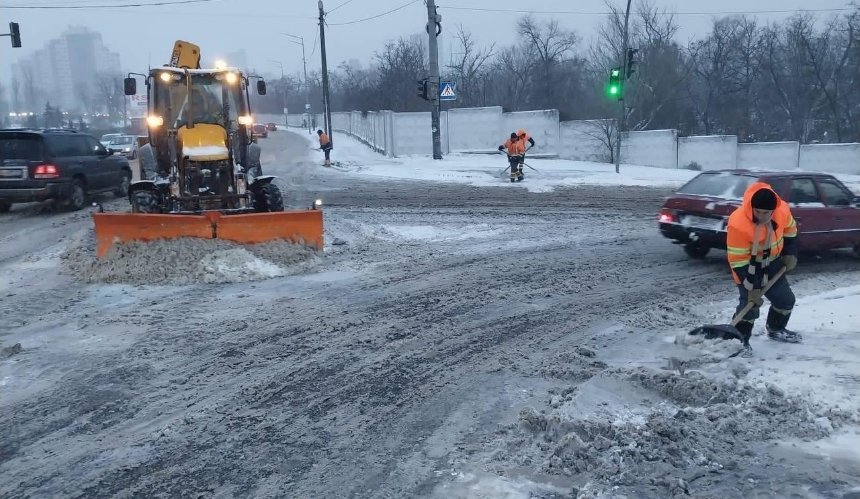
column 65, row 72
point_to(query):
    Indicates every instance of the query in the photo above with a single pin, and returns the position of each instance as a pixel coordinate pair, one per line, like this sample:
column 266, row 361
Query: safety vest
column 515, row 147
column 742, row 231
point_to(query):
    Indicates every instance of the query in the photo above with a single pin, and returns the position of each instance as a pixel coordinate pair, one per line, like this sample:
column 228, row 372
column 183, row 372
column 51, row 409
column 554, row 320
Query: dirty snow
column 184, row 261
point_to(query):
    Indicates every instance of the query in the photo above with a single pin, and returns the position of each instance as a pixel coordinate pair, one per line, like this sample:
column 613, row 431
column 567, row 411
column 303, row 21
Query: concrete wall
column 714, row 152
column 541, row 125
column 412, row 134
column 583, row 140
column 768, row 155
column 650, row 148
column 474, row 129
column 831, row 158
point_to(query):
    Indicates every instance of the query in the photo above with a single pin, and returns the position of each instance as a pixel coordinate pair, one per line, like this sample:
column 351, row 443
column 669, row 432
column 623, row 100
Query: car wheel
column 133, row 154
column 122, row 188
column 268, row 198
column 696, row 251
column 144, row 202
column 78, row 197
column 5, row 206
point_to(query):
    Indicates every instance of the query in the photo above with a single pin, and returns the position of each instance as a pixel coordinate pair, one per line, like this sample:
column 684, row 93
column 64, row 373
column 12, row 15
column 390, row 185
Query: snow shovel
column 730, row 331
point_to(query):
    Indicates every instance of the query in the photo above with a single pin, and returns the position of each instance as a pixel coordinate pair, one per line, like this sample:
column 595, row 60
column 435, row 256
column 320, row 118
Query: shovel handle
column 749, row 306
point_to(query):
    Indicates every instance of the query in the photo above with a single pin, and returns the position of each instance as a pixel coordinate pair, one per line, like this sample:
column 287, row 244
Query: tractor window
column 206, row 103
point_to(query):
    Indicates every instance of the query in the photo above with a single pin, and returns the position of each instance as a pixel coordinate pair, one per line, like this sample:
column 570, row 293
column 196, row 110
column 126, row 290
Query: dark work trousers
column 779, row 295
column 515, row 161
column 327, row 151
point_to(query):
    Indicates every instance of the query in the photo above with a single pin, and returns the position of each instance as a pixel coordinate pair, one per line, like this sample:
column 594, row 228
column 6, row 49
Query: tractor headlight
column 154, row 121
column 317, row 204
column 232, row 78
column 165, row 76
column 246, row 120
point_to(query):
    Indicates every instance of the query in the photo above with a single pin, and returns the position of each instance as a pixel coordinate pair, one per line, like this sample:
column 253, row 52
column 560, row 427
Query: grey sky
column 146, row 35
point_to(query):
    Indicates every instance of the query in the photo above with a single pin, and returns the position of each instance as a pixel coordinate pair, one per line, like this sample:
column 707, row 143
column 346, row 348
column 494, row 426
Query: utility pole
column 326, row 97
column 284, row 90
column 307, row 87
column 622, row 113
column 433, row 22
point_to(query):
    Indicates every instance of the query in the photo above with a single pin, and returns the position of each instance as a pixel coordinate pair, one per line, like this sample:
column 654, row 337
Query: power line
column 339, row 6
column 688, row 13
column 108, row 6
column 376, row 16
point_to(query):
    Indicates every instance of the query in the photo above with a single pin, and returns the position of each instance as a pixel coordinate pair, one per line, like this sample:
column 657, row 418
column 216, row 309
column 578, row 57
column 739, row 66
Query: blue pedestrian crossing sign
column 447, row 90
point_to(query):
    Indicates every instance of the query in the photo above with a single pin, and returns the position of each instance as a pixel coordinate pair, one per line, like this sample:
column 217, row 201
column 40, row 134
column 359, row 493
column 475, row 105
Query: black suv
column 62, row 165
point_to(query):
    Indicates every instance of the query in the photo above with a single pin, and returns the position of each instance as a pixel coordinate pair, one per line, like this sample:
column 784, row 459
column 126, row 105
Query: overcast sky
column 145, row 35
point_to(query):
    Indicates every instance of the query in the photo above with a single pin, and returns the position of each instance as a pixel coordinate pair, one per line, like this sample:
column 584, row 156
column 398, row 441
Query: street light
column 305, row 66
column 284, row 89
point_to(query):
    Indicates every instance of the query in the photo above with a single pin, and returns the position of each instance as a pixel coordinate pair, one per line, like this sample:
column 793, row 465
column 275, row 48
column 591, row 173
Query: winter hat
column 764, row 199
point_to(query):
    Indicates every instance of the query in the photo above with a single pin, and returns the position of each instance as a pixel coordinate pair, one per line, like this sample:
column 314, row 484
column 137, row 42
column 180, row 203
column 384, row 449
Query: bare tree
column 401, row 64
column 551, row 46
column 469, row 67
column 604, row 131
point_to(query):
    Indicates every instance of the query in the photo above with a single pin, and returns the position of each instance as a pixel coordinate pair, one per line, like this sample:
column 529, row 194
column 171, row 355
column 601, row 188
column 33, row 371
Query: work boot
column 745, row 328
column 327, row 163
column 776, row 322
column 513, row 176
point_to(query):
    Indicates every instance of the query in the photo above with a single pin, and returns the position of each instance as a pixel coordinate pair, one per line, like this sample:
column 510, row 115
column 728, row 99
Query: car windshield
column 718, row 185
column 108, row 137
column 121, row 140
column 27, row 148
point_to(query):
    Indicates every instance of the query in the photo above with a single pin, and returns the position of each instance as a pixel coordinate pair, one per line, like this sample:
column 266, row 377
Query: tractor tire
column 696, row 251
column 146, row 162
column 78, row 196
column 122, row 188
column 144, row 202
column 268, row 198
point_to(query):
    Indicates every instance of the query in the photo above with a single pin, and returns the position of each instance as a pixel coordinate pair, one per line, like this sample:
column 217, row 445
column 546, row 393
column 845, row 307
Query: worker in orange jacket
column 763, row 222
column 325, row 145
column 516, row 151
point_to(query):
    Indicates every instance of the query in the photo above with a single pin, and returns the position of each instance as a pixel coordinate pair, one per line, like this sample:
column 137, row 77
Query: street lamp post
column 305, row 66
column 283, row 89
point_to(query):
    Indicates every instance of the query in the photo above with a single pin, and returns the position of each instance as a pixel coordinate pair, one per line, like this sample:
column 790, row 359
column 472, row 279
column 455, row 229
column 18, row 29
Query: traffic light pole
column 433, row 91
column 622, row 112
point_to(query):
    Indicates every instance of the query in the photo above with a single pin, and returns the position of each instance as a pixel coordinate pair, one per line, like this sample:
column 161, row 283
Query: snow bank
column 482, row 170
column 183, row 261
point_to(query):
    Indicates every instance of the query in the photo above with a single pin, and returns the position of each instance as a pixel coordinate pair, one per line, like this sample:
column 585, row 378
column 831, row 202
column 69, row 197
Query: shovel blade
column 718, row 331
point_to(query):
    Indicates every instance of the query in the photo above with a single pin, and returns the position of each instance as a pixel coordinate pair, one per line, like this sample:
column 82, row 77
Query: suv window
column 803, row 191
column 721, row 185
column 834, row 194
column 93, row 146
column 67, row 145
column 27, row 147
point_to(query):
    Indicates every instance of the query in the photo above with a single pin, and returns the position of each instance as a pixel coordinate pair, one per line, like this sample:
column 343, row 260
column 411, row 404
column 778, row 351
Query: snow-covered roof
column 197, row 71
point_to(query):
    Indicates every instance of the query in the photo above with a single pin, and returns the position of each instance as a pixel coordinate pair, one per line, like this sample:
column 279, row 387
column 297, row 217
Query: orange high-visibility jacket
column 324, row 140
column 515, row 147
column 741, row 229
column 523, row 135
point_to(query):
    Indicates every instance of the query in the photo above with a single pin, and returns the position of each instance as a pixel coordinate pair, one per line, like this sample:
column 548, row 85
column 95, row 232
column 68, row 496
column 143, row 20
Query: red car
column 827, row 212
column 271, row 127
column 260, row 131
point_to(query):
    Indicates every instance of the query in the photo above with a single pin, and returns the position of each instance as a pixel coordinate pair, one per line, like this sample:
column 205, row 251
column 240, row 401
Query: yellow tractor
column 200, row 172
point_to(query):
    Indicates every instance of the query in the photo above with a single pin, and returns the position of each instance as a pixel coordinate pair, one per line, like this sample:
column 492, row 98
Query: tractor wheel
column 144, row 202
column 268, row 198
column 146, row 162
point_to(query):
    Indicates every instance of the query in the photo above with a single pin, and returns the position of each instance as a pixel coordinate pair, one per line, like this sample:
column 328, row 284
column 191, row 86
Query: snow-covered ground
column 470, row 338
column 482, row 170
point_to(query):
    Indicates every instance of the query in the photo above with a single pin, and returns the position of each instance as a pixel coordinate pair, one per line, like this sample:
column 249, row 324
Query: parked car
column 260, row 131
column 106, row 138
column 827, row 212
column 65, row 166
column 271, row 127
column 125, row 145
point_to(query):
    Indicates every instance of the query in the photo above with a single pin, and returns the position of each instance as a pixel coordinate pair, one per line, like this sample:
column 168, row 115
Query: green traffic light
column 616, row 72
column 613, row 90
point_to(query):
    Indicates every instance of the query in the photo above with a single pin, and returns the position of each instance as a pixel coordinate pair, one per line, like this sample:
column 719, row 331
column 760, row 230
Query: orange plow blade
column 300, row 226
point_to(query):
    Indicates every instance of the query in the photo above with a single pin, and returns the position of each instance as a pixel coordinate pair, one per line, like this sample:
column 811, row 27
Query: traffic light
column 15, row 33
column 422, row 88
column 630, row 62
column 613, row 90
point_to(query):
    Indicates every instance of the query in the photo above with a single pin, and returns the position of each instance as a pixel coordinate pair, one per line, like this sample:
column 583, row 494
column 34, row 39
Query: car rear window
column 21, row 147
column 718, row 185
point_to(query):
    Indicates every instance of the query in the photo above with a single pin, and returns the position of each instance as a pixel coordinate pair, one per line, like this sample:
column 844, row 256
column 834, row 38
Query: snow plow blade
column 299, row 226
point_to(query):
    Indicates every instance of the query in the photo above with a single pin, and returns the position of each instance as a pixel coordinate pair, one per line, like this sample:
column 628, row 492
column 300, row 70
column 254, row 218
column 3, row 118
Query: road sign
column 307, row 107
column 447, row 90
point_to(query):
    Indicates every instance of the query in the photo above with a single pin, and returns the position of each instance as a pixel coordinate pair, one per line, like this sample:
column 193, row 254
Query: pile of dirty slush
column 184, row 261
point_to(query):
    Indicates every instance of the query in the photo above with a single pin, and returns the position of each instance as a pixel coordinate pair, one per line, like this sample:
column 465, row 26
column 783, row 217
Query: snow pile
column 184, row 261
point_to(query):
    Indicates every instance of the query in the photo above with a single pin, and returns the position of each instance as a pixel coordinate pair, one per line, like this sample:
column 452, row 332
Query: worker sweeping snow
column 516, row 149
column 325, row 146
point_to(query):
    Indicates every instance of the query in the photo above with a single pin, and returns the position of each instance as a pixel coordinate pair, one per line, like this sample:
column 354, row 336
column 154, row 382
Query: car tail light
column 667, row 216
column 46, row 171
